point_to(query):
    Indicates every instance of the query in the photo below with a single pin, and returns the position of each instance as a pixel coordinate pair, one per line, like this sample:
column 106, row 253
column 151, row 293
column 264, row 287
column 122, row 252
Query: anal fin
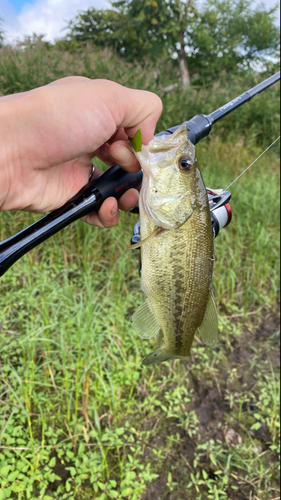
column 144, row 321
column 208, row 330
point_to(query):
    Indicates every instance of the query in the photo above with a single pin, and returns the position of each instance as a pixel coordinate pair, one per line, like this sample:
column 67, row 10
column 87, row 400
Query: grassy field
column 81, row 419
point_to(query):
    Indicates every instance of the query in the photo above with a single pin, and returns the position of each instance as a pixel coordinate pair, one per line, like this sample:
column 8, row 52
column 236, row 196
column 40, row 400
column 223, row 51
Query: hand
column 49, row 135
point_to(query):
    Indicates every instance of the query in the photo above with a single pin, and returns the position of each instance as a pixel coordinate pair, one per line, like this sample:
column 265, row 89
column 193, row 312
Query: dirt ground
column 216, row 417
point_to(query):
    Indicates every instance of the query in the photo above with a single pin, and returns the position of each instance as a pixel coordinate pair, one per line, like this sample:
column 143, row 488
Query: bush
column 35, row 63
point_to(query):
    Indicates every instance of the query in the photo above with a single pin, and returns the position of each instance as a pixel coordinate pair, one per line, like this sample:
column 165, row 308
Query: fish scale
column 171, row 278
column 177, row 261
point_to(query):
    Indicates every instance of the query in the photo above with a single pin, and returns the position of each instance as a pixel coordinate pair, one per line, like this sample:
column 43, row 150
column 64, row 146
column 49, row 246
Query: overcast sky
column 49, row 17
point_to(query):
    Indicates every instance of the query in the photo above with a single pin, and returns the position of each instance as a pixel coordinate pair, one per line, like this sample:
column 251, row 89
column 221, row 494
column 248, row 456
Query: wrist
column 7, row 151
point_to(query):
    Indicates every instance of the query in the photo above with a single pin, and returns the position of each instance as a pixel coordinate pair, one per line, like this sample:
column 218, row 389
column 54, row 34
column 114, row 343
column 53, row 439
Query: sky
column 49, row 17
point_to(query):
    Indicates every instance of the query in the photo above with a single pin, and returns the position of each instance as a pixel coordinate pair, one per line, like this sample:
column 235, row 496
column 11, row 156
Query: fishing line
column 226, row 189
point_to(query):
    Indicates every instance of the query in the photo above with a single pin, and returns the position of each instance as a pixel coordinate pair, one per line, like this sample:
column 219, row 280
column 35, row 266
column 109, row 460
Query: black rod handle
column 113, row 182
column 200, row 125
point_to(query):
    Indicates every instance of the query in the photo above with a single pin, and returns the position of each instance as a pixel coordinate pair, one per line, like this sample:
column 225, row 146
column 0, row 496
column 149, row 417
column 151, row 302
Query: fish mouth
column 161, row 151
column 167, row 142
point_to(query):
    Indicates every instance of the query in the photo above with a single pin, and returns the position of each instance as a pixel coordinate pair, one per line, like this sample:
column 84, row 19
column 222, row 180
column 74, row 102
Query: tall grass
column 40, row 63
column 80, row 418
column 74, row 396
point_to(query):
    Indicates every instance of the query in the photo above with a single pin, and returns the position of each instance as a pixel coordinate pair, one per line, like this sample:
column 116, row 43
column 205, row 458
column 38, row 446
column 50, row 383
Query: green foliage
column 217, row 35
column 120, row 28
column 229, row 35
column 99, row 28
column 255, row 122
column 39, row 64
column 80, row 418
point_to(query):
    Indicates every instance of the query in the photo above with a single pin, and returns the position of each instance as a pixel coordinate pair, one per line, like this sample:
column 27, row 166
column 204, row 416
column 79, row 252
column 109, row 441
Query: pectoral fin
column 144, row 321
column 208, row 330
column 154, row 233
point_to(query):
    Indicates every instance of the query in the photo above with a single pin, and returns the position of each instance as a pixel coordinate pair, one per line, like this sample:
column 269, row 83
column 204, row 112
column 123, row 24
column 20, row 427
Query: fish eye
column 185, row 163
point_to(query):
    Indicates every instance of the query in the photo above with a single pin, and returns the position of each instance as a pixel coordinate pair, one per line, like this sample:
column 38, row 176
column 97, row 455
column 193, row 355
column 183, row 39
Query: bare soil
column 216, row 418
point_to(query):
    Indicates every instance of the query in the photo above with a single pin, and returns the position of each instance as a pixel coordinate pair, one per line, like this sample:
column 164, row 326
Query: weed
column 79, row 417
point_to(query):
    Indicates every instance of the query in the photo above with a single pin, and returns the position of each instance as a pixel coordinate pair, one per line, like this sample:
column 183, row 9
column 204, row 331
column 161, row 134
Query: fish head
column 170, row 179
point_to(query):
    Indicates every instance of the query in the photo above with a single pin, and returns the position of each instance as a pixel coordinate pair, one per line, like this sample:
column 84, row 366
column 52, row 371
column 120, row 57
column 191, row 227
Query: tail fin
column 157, row 357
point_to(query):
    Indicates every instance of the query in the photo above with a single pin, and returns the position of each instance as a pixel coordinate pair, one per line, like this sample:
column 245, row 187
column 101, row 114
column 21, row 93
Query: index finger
column 98, row 109
column 137, row 109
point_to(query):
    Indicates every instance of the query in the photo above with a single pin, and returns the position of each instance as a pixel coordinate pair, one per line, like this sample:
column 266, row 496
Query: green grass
column 40, row 63
column 81, row 419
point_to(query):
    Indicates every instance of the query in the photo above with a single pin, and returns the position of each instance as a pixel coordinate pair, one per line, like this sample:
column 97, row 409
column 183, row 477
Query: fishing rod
column 114, row 182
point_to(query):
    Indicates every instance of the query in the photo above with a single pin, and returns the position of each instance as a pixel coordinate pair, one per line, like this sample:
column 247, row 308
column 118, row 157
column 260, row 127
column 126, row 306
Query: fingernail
column 114, row 211
column 132, row 208
column 122, row 154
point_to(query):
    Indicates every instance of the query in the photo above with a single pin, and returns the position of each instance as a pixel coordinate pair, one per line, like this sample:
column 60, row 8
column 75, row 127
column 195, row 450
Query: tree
column 231, row 36
column 101, row 28
column 137, row 29
column 160, row 27
column 219, row 35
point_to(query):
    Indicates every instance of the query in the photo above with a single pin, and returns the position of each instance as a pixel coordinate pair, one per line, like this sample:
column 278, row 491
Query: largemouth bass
column 177, row 249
